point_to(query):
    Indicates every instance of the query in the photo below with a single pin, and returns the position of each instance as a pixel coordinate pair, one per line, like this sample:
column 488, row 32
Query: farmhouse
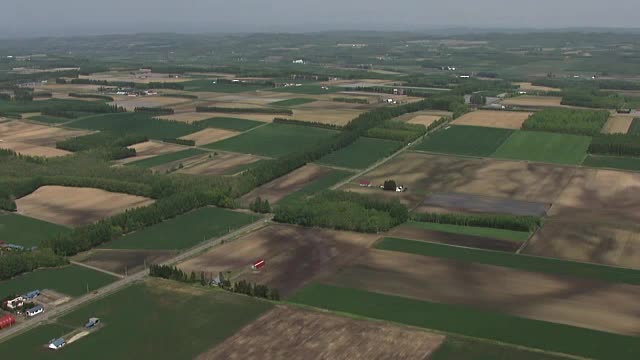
column 15, row 303
column 38, row 309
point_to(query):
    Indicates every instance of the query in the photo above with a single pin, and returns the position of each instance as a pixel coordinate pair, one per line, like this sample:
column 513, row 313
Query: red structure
column 258, row 265
column 7, row 321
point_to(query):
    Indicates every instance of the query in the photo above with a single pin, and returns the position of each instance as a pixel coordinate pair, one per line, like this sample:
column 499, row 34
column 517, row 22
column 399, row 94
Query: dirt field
column 73, row 206
column 325, row 115
column 577, row 302
column 496, row 119
column 130, row 103
column 187, row 117
column 424, row 173
column 124, row 261
column 149, row 149
column 125, row 76
column 50, row 298
column 481, row 204
column 285, row 185
column 425, row 120
column 36, row 140
column 533, row 101
column 294, row 255
column 527, row 86
column 209, row 135
column 290, row 333
column 618, row 124
column 217, row 165
column 413, row 233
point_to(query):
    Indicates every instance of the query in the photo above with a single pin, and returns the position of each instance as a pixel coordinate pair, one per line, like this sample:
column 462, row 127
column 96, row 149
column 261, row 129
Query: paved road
column 96, row 269
column 120, row 284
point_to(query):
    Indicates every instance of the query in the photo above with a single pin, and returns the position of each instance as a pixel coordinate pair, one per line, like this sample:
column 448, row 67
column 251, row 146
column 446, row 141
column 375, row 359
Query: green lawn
column 136, row 123
column 458, row 348
column 472, row 322
column 167, row 158
column 230, row 123
column 49, row 119
column 322, row 183
column 310, row 89
column 26, row 231
column 502, row 234
column 184, row 231
column 71, row 280
column 514, row 261
column 361, row 153
column 275, row 140
column 292, row 102
column 208, row 85
column 544, row 147
column 157, row 320
column 465, row 140
column 614, row 162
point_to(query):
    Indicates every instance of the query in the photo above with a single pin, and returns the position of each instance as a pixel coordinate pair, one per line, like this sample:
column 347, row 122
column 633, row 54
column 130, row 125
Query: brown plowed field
column 33, row 150
column 424, row 173
column 285, row 185
column 209, row 135
column 534, row 101
column 74, row 206
column 290, row 333
column 527, row 86
column 571, row 301
column 414, row 233
column 496, row 119
column 149, row 149
column 480, row 204
column 36, row 140
column 618, row 124
column 124, row 261
column 217, row 165
column 294, row 255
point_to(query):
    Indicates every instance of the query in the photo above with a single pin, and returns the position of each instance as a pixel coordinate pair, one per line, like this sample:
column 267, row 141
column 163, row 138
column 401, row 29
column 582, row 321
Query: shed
column 258, row 264
column 56, row 344
column 92, row 322
column 365, row 183
column 35, row 310
column 31, row 295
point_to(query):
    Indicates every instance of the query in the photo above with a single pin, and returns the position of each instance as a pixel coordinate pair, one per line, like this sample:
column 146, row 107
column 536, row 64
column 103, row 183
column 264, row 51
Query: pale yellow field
column 527, row 86
column 497, row 119
column 149, row 149
column 534, row 101
column 35, row 140
column 618, row 124
column 425, row 120
column 209, row 135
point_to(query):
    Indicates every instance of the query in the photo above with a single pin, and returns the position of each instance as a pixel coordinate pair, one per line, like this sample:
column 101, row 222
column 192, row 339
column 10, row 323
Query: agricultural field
column 135, row 123
column 486, row 232
column 314, row 186
column 232, row 124
column 425, row 120
column 124, row 262
column 295, row 255
column 287, row 332
column 527, row 86
column 281, row 187
column 471, row 322
column 634, row 128
column 618, row 124
column 533, row 101
column 448, row 202
column 218, row 87
column 131, row 103
column 46, row 119
column 34, row 140
column 75, row 206
column 212, row 164
column 455, row 348
column 167, row 158
column 149, row 149
column 166, row 316
column 544, row 147
column 25, row 231
column 188, row 116
column 465, row 140
column 326, row 115
column 70, row 280
column 308, row 89
column 612, row 162
column 494, row 119
column 274, row 140
column 184, row 231
column 292, row 102
column 362, row 153
column 209, row 135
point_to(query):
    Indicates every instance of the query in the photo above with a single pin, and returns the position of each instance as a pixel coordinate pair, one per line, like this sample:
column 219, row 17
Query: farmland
column 612, row 162
column 233, row 124
column 293, row 333
column 25, row 231
column 124, row 262
column 70, row 280
column 292, row 102
column 465, row 140
column 166, row 158
column 34, row 140
column 274, row 140
column 150, row 149
column 180, row 332
column 135, row 123
column 209, row 135
column 184, row 231
column 212, row 164
column 533, row 101
column 502, row 234
column 544, row 147
column 76, row 206
column 322, row 183
column 310, row 89
column 617, row 124
column 437, row 235
column 362, row 153
column 495, row 119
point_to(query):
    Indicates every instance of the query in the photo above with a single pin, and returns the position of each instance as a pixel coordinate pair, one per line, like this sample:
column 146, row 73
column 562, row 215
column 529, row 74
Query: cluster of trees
column 171, row 273
column 17, row 262
column 307, row 123
column 571, row 121
column 478, row 99
column 568, row 83
column 126, row 84
column 260, row 206
column 274, row 111
column 42, row 94
column 596, row 99
column 351, row 100
column 161, row 85
column 255, row 290
column 615, row 144
column 108, row 145
column 180, row 141
column 154, row 110
column 397, row 130
column 509, row 222
column 91, row 96
column 5, row 97
column 344, row 211
column 437, row 123
column 179, row 95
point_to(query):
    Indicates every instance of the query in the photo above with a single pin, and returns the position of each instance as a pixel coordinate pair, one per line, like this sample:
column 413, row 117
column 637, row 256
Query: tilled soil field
column 497, row 119
column 124, row 261
column 414, row 233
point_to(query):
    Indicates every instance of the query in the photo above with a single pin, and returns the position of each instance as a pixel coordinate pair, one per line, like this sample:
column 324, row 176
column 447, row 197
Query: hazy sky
column 72, row 17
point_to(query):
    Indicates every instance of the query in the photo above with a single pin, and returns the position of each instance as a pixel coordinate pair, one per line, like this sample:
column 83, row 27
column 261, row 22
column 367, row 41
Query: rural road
column 120, row 284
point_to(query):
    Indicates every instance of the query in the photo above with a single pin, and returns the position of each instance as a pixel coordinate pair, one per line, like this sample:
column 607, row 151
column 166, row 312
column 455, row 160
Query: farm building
column 31, row 295
column 258, row 265
column 365, row 183
column 15, row 303
column 38, row 309
column 7, row 321
column 57, row 344
column 92, row 322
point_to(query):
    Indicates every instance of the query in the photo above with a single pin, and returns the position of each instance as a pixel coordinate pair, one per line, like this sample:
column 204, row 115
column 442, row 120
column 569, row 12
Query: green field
column 26, row 231
column 292, row 102
column 544, row 147
column 361, row 153
column 455, row 348
column 274, row 140
column 71, row 280
column 167, row 158
column 502, row 234
column 514, row 261
column 135, row 123
column 465, row 140
column 311, row 89
column 322, row 183
column 471, row 322
column 158, row 320
column 229, row 123
column 208, row 85
column 49, row 119
column 634, row 129
column 184, row 231
column 613, row 162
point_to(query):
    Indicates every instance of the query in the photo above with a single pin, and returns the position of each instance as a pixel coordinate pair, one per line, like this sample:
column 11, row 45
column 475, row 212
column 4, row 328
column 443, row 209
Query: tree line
column 509, row 222
column 615, row 144
column 227, row 110
column 307, row 123
column 154, row 110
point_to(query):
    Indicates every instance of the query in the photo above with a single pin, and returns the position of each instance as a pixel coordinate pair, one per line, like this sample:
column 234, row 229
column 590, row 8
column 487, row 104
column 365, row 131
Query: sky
column 89, row 17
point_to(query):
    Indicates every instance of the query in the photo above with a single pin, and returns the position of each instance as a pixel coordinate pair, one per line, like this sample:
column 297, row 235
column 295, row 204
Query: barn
column 35, row 310
column 7, row 321
column 258, row 265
